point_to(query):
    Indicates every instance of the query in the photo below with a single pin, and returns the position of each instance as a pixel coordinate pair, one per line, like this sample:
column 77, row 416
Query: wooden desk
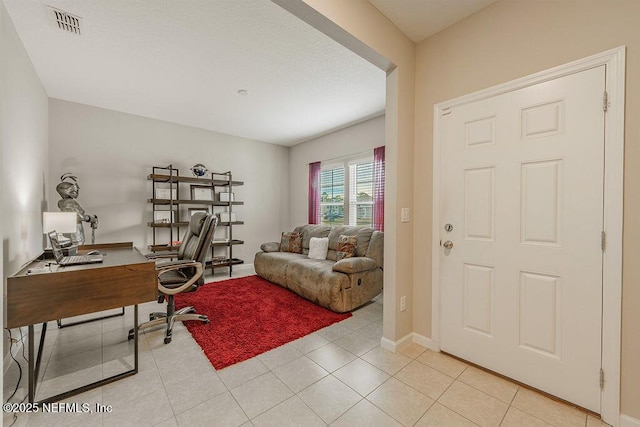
column 125, row 278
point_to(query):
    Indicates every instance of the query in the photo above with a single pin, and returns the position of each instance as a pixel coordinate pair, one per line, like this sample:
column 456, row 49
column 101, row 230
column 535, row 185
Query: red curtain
column 314, row 193
column 378, row 188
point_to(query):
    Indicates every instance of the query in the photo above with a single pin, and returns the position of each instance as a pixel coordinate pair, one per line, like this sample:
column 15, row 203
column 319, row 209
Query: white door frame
column 614, row 60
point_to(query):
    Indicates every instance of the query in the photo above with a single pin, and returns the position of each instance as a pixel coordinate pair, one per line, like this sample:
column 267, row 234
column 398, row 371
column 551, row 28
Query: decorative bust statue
column 69, row 190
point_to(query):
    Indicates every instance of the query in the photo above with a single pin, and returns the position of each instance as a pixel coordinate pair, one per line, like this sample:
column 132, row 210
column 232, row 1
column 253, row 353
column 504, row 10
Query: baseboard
column 408, row 339
column 387, row 344
column 238, row 271
column 426, row 342
column 243, row 267
column 394, row 346
column 627, row 421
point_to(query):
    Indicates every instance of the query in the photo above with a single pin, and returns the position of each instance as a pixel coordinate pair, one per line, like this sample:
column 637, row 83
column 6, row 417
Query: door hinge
column 605, row 101
column 446, row 111
column 603, row 240
column 601, row 379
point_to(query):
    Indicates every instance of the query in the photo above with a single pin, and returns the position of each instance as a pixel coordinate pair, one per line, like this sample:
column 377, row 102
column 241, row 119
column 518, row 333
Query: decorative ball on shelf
column 199, row 170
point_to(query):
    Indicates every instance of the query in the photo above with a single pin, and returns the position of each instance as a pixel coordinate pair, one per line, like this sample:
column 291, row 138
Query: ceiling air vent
column 65, row 21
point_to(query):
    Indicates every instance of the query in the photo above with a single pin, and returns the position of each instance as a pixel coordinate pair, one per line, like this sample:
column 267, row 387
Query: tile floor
column 338, row 376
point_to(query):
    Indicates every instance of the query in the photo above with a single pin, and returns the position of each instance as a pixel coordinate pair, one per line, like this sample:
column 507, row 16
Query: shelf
column 186, row 223
column 226, row 263
column 167, row 225
column 231, row 223
column 191, row 179
column 220, row 243
column 192, row 202
column 161, row 247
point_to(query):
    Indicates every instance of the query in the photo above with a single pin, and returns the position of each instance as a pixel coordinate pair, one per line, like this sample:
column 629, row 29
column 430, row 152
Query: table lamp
column 62, row 222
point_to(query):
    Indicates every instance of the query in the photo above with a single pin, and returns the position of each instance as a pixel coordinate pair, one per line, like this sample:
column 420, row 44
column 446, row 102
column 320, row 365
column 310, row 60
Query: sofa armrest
column 354, row 265
column 376, row 248
column 270, row 247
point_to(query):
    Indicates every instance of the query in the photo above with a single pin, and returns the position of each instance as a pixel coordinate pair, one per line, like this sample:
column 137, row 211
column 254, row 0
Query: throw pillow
column 318, row 247
column 346, row 247
column 291, row 242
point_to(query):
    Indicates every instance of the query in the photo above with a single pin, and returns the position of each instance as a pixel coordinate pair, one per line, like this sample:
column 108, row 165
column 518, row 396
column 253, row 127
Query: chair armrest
column 177, row 265
column 270, row 247
column 160, row 255
column 165, row 264
column 354, row 265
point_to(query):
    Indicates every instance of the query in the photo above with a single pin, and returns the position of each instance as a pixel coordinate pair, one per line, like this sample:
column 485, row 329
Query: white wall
column 23, row 154
column 112, row 153
column 352, row 140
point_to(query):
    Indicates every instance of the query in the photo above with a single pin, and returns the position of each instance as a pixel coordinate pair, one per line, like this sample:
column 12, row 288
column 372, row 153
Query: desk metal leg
column 60, row 325
column 39, row 358
column 82, row 389
column 135, row 338
column 32, row 378
column 34, row 369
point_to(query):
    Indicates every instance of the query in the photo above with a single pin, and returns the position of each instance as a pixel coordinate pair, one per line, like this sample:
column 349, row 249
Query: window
column 361, row 193
column 332, row 184
column 346, row 193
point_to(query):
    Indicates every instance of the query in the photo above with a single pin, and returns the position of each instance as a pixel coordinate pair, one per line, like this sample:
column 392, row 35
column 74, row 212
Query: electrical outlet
column 403, row 303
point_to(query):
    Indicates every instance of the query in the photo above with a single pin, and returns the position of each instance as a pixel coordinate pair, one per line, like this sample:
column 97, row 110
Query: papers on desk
column 41, row 268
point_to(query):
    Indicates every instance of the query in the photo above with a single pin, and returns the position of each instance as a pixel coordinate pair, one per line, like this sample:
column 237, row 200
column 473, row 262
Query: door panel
column 522, row 185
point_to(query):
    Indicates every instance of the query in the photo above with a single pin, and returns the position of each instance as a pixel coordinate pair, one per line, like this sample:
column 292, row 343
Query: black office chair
column 183, row 275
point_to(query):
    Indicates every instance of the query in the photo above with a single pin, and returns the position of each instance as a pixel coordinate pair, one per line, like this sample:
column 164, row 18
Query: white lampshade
column 62, row 222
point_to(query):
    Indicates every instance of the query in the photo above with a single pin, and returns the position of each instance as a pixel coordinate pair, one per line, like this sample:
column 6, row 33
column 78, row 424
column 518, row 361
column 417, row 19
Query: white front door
column 522, row 191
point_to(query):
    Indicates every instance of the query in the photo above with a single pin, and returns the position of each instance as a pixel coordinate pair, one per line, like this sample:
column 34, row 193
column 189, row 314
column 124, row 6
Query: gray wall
column 112, row 153
column 23, row 155
column 348, row 141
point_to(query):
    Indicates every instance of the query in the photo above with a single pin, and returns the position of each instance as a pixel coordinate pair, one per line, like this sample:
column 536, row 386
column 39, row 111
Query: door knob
column 448, row 244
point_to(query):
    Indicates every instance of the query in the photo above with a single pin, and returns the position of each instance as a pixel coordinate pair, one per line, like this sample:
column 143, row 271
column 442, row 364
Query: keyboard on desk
column 80, row 259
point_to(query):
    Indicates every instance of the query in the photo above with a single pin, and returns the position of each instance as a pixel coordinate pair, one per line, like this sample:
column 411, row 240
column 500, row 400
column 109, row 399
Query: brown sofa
column 337, row 285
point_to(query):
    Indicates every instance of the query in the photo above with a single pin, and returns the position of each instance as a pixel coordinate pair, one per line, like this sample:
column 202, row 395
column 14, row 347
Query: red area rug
column 249, row 316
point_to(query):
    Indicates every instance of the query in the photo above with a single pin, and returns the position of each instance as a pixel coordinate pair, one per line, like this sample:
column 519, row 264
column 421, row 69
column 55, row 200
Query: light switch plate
column 404, row 214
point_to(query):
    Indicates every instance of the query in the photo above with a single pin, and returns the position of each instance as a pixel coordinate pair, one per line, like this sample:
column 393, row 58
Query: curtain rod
column 349, row 156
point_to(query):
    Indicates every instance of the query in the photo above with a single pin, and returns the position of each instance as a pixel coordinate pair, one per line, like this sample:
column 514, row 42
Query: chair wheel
column 167, row 340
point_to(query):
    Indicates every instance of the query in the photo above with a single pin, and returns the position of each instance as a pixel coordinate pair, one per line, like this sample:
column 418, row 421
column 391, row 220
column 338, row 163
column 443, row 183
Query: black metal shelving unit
column 169, row 178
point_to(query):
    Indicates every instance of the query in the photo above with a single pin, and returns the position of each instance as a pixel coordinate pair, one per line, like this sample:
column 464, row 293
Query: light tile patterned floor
column 338, row 376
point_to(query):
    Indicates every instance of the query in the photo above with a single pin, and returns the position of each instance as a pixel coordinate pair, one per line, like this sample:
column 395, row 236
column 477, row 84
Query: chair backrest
column 197, row 239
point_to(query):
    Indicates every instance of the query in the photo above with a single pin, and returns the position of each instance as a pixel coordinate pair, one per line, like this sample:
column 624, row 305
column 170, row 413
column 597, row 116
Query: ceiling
column 242, row 67
column 419, row 19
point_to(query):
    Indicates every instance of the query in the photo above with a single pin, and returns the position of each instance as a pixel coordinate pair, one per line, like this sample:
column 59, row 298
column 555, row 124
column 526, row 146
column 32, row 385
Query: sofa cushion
column 354, row 265
column 318, row 247
column 315, row 280
column 346, row 247
column 363, row 233
column 311, row 230
column 291, row 242
column 273, row 265
column 270, row 247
